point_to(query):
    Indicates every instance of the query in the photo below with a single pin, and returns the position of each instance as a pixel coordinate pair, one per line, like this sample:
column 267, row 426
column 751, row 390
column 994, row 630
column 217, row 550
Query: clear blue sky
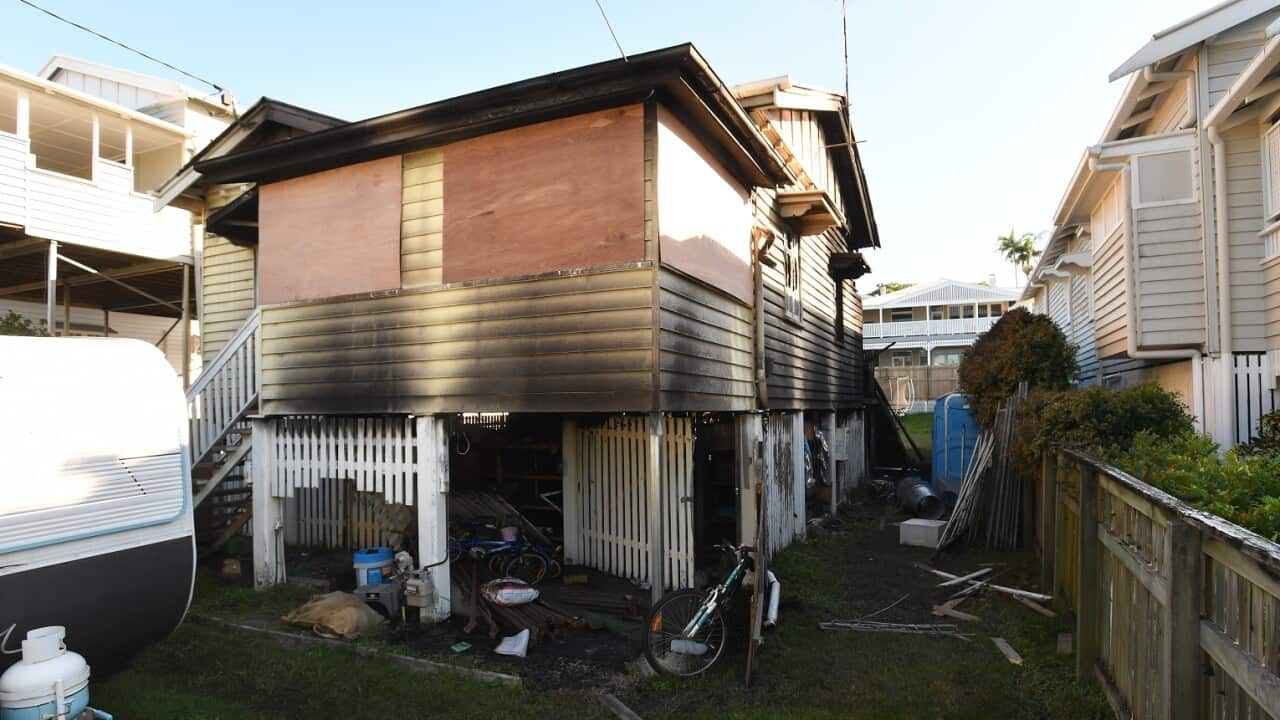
column 973, row 114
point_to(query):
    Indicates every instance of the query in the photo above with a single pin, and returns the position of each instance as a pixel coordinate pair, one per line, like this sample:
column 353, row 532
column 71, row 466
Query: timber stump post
column 268, row 510
column 657, row 544
column 1182, row 661
column 1087, row 578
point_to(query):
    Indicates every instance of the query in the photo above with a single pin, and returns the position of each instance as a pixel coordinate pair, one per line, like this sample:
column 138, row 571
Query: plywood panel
column 557, row 195
column 332, row 233
column 704, row 215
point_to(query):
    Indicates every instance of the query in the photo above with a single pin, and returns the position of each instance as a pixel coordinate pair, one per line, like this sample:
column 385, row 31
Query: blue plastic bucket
column 372, row 565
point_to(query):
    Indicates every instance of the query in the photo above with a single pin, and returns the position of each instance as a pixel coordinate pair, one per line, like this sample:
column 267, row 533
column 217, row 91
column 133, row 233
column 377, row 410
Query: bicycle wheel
column 530, row 567
column 667, row 621
column 498, row 564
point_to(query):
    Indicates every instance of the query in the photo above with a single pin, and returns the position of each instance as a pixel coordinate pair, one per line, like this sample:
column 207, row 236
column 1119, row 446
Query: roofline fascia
column 506, row 106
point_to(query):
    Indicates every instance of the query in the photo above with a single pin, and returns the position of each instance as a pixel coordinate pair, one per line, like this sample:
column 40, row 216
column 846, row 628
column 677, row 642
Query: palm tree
column 1020, row 250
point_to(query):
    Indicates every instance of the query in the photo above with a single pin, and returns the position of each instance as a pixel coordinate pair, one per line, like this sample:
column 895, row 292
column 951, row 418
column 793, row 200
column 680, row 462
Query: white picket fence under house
column 608, row 501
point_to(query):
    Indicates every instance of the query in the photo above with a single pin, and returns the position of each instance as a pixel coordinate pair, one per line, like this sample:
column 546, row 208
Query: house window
column 947, row 357
column 1271, row 172
column 902, row 358
column 935, row 313
column 953, row 312
column 900, row 315
column 792, row 272
column 982, row 311
column 1164, row 179
column 997, row 310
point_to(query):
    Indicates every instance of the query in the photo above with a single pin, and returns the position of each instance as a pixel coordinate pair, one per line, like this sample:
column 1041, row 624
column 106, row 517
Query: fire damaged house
column 615, row 297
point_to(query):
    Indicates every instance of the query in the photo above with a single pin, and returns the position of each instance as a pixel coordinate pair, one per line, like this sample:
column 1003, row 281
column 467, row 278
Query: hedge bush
column 1097, row 420
column 1147, row 432
column 1021, row 346
column 1242, row 487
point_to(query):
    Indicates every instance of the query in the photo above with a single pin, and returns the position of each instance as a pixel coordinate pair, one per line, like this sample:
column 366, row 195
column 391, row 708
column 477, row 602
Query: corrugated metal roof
column 942, row 292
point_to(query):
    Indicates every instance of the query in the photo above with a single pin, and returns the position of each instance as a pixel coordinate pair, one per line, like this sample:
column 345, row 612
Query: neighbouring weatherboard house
column 613, row 297
column 1164, row 261
column 920, row 333
column 83, row 246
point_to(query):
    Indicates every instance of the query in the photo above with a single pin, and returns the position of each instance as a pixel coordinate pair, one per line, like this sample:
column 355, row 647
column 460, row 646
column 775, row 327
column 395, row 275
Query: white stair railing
column 225, row 391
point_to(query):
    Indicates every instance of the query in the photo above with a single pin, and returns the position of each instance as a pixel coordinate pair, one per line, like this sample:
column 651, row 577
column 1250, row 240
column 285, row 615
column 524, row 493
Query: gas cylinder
column 48, row 682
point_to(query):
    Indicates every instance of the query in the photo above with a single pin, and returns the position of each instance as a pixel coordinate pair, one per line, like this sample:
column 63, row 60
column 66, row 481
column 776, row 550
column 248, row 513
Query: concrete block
column 921, row 533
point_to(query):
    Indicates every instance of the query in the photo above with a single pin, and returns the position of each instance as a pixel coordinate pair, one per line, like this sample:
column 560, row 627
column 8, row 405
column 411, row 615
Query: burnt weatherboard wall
column 580, row 341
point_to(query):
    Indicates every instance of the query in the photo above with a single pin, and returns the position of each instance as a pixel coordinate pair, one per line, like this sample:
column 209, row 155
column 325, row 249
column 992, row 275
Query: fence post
column 1087, row 577
column 1182, row 653
column 1048, row 514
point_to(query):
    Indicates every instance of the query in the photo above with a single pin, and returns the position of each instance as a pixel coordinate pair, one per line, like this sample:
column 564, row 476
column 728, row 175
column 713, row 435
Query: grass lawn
column 920, row 427
column 803, row 672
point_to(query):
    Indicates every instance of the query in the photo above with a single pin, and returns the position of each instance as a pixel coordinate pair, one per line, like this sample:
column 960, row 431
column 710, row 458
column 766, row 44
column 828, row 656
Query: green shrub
column 1021, row 346
column 1243, row 488
column 1268, row 439
column 11, row 323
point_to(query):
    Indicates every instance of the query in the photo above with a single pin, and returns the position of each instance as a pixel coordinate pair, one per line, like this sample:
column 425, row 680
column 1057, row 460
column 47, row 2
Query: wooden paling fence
column 348, row 481
column 1177, row 610
column 607, row 499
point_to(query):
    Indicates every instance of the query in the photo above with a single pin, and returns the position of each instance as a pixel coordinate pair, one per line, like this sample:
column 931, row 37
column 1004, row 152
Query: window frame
column 1137, row 184
column 1270, row 201
column 792, row 278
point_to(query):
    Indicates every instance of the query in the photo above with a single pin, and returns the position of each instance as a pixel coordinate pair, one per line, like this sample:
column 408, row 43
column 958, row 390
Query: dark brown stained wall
column 557, row 195
column 807, row 366
column 705, row 346
column 575, row 343
column 331, row 233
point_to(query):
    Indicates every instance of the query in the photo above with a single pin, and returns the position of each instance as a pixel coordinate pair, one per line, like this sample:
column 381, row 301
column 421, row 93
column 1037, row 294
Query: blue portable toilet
column 954, row 434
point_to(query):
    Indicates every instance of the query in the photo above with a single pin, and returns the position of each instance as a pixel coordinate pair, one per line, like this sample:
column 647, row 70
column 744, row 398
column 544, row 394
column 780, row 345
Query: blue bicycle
column 508, row 558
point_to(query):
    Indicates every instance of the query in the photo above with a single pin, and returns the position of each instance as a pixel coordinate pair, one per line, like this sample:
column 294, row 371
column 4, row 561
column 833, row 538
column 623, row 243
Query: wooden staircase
column 221, row 438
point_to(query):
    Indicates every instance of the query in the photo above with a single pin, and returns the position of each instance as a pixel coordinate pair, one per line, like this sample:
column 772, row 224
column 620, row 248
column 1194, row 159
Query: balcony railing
column 104, row 212
column 905, row 328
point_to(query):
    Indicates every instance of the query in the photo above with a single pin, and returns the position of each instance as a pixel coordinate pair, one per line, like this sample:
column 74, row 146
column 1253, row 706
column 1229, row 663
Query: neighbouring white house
column 922, row 332
column 83, row 245
column 1164, row 262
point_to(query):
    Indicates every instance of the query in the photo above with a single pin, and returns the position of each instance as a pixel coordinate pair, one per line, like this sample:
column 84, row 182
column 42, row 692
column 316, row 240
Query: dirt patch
column 575, row 660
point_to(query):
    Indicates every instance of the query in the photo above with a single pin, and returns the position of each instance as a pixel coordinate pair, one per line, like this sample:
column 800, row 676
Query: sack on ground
column 509, row 592
column 336, row 614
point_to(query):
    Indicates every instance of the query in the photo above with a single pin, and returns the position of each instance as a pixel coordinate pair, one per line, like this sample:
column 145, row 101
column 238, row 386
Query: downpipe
column 1224, row 429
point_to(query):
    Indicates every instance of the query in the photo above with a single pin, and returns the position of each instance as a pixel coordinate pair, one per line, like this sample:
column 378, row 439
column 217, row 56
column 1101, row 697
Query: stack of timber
column 541, row 620
column 990, row 505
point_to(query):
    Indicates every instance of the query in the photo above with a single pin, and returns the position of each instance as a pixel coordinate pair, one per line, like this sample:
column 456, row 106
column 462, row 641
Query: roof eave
column 679, row 73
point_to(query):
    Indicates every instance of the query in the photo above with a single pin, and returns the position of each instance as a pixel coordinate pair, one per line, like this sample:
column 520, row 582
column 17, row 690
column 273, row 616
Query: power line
column 606, row 24
column 152, row 58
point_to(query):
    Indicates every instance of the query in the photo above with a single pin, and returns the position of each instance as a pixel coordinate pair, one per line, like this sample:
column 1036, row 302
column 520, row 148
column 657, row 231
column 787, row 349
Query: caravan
column 95, row 502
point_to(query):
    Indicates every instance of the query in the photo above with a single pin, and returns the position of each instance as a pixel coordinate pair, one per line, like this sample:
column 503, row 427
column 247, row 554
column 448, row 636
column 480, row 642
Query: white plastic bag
column 514, row 645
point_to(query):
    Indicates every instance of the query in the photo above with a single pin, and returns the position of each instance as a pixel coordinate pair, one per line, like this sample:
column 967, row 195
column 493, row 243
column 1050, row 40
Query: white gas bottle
column 48, row 682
